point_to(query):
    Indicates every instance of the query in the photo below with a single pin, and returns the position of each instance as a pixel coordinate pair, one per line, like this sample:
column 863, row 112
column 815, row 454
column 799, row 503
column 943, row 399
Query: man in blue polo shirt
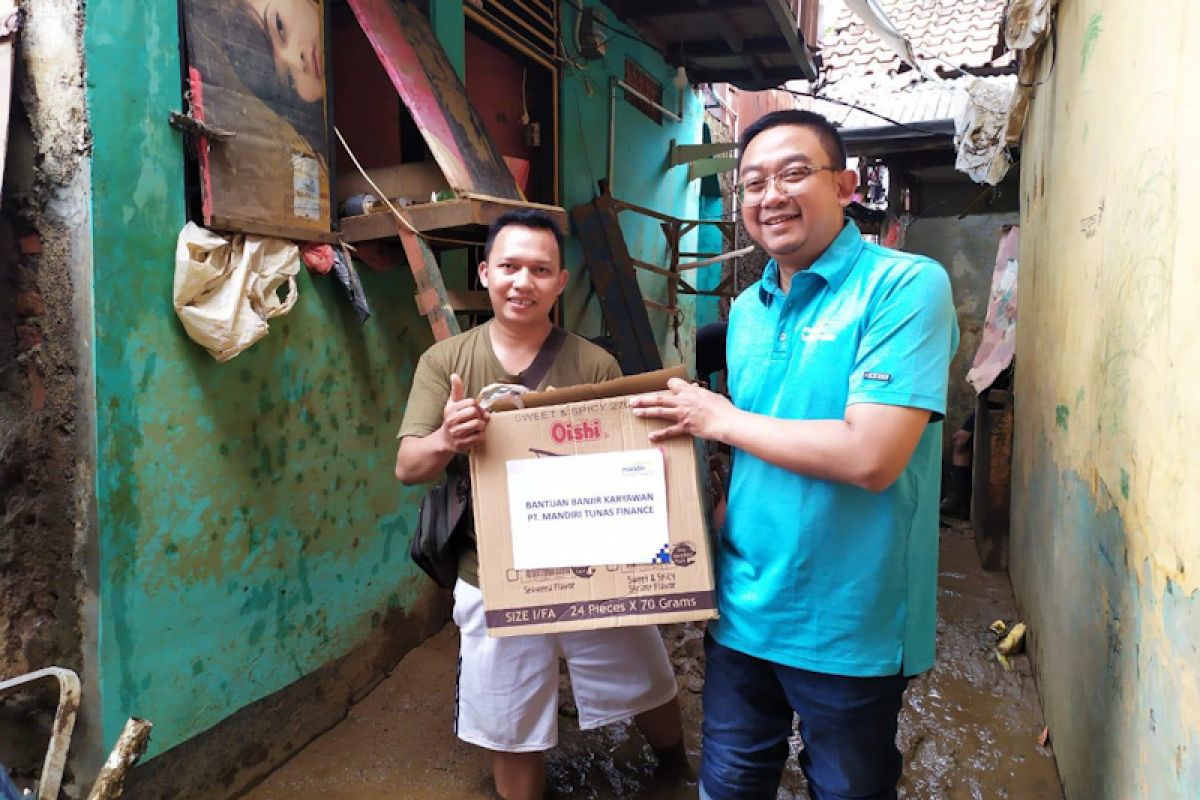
column 827, row 563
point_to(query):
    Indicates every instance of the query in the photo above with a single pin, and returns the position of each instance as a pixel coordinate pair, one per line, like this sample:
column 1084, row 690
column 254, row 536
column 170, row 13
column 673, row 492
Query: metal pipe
column 64, row 724
column 665, row 111
column 612, row 119
column 612, row 133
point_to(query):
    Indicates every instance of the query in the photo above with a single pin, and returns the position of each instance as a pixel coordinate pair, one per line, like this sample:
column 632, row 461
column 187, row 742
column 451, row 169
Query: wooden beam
column 431, row 289
column 687, row 153
column 786, row 18
column 758, row 46
column 472, row 210
column 658, row 8
column 223, row 224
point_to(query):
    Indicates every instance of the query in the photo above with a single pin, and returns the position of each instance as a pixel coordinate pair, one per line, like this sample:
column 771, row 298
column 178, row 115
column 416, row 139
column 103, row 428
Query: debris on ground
column 965, row 730
column 1013, row 643
column 1044, row 738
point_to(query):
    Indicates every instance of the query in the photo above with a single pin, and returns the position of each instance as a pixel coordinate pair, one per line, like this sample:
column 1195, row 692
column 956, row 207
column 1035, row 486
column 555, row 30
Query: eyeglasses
column 752, row 192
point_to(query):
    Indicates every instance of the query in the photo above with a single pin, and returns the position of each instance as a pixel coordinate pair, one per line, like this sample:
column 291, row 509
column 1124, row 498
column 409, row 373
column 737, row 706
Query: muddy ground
column 969, row 729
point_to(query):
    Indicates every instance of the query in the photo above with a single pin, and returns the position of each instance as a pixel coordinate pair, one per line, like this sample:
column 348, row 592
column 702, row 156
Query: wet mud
column 969, row 729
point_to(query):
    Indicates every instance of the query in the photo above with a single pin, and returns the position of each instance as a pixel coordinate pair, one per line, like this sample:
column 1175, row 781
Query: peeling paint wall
column 44, row 370
column 1105, row 543
column 250, row 527
column 642, row 177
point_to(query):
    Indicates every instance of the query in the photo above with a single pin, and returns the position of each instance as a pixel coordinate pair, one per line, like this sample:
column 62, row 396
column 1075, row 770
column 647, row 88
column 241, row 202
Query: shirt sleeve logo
column 882, row 377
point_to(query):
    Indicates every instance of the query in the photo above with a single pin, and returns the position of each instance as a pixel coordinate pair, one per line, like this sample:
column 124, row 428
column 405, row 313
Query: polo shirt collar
column 833, row 265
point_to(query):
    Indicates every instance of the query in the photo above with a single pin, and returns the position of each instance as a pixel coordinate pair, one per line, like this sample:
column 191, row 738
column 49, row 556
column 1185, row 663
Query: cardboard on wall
column 676, row 586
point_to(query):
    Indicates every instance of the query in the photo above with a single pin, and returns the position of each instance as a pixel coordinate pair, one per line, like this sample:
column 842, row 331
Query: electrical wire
column 579, row 8
column 856, row 107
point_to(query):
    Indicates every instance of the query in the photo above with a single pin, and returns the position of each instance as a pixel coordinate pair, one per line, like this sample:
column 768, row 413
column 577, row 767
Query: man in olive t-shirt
column 472, row 358
column 507, row 699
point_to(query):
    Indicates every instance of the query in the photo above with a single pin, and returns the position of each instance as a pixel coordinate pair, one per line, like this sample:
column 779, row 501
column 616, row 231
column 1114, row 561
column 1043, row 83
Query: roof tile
column 963, row 32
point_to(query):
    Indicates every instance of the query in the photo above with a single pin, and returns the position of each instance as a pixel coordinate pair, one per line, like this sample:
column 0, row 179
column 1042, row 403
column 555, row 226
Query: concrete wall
column 967, row 248
column 641, row 176
column 1106, row 545
column 45, row 468
column 251, row 532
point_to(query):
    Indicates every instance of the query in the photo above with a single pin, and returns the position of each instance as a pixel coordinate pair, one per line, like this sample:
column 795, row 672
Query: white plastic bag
column 225, row 288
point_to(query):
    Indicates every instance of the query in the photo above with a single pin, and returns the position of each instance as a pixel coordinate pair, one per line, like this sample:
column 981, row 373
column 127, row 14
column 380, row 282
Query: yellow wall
column 1106, row 503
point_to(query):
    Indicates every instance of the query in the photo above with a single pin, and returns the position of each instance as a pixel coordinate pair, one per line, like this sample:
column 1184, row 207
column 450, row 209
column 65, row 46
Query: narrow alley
column 969, row 729
column 282, row 282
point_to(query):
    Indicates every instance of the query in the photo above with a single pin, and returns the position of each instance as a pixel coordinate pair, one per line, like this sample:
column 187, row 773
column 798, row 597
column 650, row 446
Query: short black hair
column 831, row 140
column 524, row 218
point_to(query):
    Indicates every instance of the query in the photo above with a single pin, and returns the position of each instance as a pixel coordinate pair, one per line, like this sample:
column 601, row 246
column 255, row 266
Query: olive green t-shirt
column 471, row 356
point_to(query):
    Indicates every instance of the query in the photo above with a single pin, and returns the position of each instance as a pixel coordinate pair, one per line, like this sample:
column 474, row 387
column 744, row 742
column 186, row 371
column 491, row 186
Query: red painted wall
column 494, row 89
column 366, row 106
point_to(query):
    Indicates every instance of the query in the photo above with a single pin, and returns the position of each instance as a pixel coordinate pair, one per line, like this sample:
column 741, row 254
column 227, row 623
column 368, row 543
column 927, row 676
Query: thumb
column 457, row 392
column 677, row 385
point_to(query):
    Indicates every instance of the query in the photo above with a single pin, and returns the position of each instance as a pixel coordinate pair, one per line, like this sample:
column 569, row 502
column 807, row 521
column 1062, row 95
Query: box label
column 600, row 508
column 599, row 609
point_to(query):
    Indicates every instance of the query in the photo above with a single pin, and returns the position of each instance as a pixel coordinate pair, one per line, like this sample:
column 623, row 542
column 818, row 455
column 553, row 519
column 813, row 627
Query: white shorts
column 507, row 694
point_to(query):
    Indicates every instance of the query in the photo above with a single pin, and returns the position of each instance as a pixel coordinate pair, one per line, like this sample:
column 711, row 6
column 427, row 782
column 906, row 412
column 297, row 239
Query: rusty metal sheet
column 258, row 70
column 436, row 98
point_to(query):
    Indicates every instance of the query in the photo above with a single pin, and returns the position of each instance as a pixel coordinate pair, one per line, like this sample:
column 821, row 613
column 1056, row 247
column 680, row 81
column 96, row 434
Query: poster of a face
column 257, row 68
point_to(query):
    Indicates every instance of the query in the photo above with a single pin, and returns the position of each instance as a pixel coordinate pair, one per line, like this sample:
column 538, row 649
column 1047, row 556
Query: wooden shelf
column 466, row 217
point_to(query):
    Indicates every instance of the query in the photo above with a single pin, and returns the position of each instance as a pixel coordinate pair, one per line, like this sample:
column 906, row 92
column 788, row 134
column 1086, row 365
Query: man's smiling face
column 523, row 276
column 794, row 229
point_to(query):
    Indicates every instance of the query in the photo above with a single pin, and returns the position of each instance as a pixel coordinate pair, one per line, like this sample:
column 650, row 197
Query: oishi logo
column 561, row 432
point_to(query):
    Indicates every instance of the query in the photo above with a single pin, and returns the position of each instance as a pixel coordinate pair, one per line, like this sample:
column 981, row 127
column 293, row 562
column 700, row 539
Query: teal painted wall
column 642, row 175
column 446, row 19
column 249, row 525
column 709, row 240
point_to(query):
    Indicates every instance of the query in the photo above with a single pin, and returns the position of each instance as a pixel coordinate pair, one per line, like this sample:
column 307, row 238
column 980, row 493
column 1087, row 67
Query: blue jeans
column 848, row 726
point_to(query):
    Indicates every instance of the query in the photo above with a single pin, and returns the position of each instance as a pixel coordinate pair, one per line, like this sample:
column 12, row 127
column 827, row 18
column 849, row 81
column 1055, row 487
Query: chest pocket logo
column 823, row 331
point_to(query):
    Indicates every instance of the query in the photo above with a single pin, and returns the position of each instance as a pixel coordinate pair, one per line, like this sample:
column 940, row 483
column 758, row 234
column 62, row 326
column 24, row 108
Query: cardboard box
column 585, row 420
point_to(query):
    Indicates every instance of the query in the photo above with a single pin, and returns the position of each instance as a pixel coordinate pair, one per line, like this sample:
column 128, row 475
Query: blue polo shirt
column 815, row 574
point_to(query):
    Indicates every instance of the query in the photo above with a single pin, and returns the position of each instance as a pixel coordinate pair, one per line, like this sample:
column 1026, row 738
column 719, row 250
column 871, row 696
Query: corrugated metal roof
column 905, row 100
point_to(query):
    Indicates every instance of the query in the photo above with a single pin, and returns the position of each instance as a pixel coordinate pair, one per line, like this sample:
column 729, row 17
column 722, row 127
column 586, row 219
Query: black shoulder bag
column 445, row 524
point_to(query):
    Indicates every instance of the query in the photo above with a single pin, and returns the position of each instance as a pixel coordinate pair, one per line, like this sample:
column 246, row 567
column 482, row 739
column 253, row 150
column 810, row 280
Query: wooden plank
column 442, row 216
column 493, row 207
column 275, row 171
column 655, row 268
column 621, row 205
column 428, row 278
column 220, row 223
column 416, row 181
column 612, row 274
column 435, row 96
column 704, row 262
column 424, row 217
column 660, row 307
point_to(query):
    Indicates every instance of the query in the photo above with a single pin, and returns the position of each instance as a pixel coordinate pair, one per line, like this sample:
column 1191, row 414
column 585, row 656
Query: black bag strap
column 542, row 362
